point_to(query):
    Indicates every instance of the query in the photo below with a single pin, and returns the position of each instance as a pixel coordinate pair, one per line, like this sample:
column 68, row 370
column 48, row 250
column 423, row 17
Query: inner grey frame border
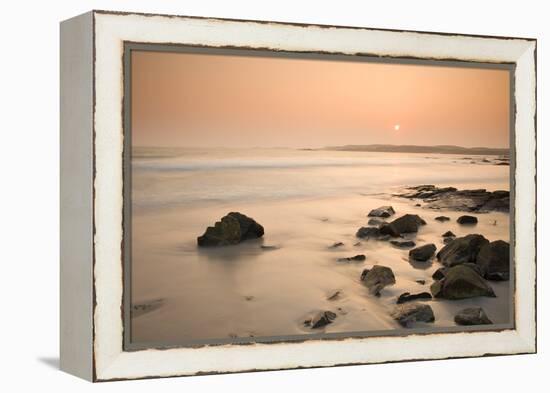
column 129, row 47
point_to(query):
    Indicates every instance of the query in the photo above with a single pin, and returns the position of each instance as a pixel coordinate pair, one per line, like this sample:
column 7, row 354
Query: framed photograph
column 246, row 195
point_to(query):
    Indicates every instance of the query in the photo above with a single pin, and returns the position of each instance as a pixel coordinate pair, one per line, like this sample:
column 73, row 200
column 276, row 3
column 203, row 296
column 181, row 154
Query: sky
column 203, row 100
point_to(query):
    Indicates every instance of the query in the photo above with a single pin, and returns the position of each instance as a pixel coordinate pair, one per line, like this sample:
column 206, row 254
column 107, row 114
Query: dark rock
column 408, row 223
column 408, row 314
column 376, row 278
column 442, row 218
column 440, row 273
column 382, row 211
column 335, row 295
column 402, row 243
column 421, row 282
column 423, row 253
column 467, row 220
column 144, row 308
column 356, row 258
column 448, row 234
column 461, row 250
column 426, row 191
column 461, row 282
column 494, row 260
column 368, row 233
column 447, row 240
column 479, row 200
column 503, row 163
column 407, row 297
column 472, row 316
column 321, row 319
column 336, row 245
column 231, row 229
column 376, row 221
column 418, row 205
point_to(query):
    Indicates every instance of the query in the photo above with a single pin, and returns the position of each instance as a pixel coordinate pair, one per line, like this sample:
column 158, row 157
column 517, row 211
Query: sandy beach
column 306, row 201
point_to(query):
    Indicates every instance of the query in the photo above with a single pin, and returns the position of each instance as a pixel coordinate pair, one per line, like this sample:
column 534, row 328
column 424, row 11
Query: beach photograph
column 278, row 196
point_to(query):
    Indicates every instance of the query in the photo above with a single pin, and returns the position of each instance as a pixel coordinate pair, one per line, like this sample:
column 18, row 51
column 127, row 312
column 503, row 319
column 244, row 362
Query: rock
column 376, row 278
column 356, row 258
column 231, row 229
column 336, row 245
column 448, row 234
column 440, row 273
column 335, row 295
column 408, row 314
column 447, row 240
column 376, row 222
column 461, row 250
column 402, row 243
column 368, row 233
column 407, row 297
column 421, row 282
column 426, row 191
column 472, row 316
column 461, row 282
column 467, row 220
column 418, row 205
column 503, row 163
column 382, row 211
column 321, row 319
column 494, row 260
column 479, row 200
column 423, row 253
column 442, row 218
column 408, row 223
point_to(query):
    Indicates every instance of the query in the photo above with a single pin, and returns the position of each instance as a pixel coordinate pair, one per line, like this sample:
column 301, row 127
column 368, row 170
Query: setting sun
column 396, row 127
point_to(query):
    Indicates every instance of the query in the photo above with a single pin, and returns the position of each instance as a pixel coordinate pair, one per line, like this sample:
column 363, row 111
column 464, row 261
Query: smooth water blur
column 306, row 200
column 193, row 176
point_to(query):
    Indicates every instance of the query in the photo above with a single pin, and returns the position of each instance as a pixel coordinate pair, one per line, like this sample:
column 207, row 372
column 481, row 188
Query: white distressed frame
column 112, row 29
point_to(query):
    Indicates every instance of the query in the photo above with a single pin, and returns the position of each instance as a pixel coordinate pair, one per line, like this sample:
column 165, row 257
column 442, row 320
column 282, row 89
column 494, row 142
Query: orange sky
column 235, row 101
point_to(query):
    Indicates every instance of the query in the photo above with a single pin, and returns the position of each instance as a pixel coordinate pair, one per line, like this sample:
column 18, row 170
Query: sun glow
column 396, row 127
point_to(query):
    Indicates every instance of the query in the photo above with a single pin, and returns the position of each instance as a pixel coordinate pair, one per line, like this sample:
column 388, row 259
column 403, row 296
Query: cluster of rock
column 468, row 262
column 479, row 200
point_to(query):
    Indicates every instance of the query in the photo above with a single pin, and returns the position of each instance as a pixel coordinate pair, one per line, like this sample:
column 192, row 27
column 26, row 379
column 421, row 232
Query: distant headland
column 440, row 149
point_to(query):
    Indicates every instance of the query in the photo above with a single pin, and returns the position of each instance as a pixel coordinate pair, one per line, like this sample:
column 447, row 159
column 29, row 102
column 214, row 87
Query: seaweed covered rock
column 382, row 211
column 422, row 253
column 462, row 250
column 231, row 229
column 493, row 260
column 409, row 314
column 472, row 316
column 409, row 223
column 461, row 282
column 376, row 278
